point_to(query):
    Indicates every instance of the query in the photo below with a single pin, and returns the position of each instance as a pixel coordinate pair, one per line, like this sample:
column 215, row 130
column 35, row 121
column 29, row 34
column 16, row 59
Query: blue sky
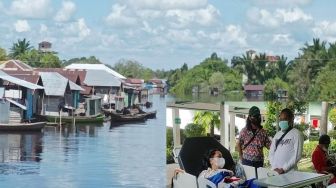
column 167, row 33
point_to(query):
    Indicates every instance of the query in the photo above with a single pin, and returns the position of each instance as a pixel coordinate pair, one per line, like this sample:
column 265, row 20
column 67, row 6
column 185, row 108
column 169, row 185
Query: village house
column 17, row 99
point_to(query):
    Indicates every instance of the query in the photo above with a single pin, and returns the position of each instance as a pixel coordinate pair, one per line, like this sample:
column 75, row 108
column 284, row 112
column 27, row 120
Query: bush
column 169, row 145
column 308, row 149
column 332, row 134
column 332, row 147
column 303, row 127
column 194, row 130
column 332, row 117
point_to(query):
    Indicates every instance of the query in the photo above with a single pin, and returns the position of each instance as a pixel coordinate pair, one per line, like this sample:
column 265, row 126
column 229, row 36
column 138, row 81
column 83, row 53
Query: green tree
column 49, row 60
column 82, row 60
column 273, row 87
column 217, row 81
column 130, row 68
column 198, row 75
column 324, row 86
column 20, row 47
column 194, row 130
column 272, row 112
column 332, row 117
column 31, row 57
column 208, row 120
column 232, row 81
column 3, row 55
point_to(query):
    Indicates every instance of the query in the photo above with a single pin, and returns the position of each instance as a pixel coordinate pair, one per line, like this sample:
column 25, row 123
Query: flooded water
column 88, row 156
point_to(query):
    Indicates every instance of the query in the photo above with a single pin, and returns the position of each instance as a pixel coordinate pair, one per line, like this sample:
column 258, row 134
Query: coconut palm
column 20, row 47
column 208, row 119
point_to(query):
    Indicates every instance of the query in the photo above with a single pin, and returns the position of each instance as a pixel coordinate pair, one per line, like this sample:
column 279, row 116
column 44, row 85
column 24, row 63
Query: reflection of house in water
column 20, row 147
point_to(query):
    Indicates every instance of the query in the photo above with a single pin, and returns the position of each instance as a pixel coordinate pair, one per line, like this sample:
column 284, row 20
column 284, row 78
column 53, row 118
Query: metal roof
column 95, row 67
column 19, row 82
column 55, row 84
column 101, row 78
column 74, row 86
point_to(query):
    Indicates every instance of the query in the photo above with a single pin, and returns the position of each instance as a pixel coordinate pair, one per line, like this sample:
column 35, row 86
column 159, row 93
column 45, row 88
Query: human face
column 213, row 163
column 284, row 117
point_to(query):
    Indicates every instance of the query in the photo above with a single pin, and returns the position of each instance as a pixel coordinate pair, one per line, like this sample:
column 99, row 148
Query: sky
column 164, row 34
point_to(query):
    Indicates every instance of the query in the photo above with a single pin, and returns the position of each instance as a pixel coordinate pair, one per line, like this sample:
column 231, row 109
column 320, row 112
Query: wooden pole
column 324, row 118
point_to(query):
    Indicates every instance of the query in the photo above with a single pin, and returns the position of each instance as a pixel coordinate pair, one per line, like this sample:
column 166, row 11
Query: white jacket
column 289, row 151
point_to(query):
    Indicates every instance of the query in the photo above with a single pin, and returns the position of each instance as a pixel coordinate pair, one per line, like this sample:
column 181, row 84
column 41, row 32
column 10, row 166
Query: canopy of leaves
column 332, row 116
column 274, row 88
column 19, row 48
column 194, row 130
column 3, row 55
column 82, row 60
column 199, row 74
column 133, row 69
column 35, row 58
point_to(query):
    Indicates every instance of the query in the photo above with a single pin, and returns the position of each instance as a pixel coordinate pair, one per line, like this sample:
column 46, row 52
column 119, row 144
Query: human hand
column 178, row 170
column 279, row 170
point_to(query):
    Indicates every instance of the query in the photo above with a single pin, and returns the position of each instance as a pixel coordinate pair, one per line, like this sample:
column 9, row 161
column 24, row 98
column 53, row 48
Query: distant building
column 254, row 91
column 44, row 46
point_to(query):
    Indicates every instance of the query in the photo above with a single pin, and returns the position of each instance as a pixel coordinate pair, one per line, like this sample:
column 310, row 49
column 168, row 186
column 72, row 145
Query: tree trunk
column 212, row 130
column 324, row 118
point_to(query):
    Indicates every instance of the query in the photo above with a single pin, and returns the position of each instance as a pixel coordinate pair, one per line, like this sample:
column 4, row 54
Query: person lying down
column 215, row 172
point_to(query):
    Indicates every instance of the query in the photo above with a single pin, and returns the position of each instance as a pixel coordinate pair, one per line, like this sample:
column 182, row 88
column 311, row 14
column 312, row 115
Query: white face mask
column 220, row 162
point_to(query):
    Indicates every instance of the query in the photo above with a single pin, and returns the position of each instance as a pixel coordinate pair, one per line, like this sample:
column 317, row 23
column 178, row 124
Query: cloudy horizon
column 164, row 34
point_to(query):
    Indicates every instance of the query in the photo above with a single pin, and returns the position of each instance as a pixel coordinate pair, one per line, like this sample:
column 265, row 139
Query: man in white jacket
column 287, row 144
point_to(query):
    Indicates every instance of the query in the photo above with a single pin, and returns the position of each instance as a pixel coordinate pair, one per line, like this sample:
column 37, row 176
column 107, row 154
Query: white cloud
column 76, row 31
column 292, row 15
column 282, row 2
column 119, row 17
column 282, row 39
column 278, row 17
column 167, row 4
column 21, row 26
column 325, row 30
column 204, row 16
column 66, row 12
column 181, row 36
column 232, row 35
column 43, row 28
column 84, row 31
column 30, row 9
column 262, row 17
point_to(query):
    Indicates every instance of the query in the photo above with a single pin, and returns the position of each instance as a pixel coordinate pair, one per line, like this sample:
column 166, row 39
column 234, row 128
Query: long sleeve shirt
column 319, row 159
column 288, row 152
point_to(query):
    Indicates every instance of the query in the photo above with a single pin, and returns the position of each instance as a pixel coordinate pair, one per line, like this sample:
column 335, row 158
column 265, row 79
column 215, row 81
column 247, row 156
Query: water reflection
column 85, row 155
column 16, row 147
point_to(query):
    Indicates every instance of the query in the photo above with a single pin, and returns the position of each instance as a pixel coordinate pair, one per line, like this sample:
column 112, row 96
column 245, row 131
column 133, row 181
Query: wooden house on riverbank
column 17, row 99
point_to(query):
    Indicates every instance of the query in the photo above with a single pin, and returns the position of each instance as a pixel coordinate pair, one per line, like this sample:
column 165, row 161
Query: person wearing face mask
column 287, row 144
column 214, row 164
column 321, row 160
column 252, row 139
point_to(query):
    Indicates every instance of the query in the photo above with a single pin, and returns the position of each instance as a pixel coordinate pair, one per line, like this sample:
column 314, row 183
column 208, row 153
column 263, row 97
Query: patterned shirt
column 254, row 151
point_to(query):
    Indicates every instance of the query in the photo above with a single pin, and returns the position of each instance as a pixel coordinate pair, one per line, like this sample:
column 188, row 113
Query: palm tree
column 21, row 47
column 208, row 119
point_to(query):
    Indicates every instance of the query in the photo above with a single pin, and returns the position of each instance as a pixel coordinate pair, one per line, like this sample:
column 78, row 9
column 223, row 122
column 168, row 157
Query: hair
column 324, row 139
column 249, row 122
column 208, row 155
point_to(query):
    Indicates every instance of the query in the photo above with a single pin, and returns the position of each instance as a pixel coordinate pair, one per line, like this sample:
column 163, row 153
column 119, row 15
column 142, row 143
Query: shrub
column 332, row 147
column 332, row 117
column 332, row 134
column 194, row 130
column 308, row 148
column 169, row 146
